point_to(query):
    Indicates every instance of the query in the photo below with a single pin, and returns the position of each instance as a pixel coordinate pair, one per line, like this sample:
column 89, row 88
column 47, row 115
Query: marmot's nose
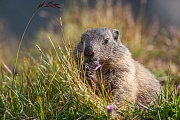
column 88, row 53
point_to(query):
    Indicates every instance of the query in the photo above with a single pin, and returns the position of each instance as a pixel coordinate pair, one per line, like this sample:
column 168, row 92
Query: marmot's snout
column 88, row 53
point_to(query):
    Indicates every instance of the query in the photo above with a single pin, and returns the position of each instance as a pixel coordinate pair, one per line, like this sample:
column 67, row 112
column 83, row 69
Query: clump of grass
column 49, row 88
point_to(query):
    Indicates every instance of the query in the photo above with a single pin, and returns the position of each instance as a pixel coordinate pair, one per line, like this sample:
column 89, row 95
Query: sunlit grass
column 49, row 87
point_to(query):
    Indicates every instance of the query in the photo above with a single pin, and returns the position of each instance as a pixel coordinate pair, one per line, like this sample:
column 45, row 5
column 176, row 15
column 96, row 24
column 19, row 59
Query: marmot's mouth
column 97, row 66
column 94, row 65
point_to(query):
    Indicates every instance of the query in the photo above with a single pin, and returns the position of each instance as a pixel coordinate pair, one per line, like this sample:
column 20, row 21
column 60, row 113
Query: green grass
column 48, row 84
column 49, row 88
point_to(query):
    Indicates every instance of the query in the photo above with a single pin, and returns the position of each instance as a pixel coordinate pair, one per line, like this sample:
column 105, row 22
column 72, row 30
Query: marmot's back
column 127, row 79
column 148, row 85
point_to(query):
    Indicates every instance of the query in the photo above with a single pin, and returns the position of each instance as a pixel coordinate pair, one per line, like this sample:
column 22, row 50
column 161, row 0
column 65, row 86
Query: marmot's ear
column 116, row 34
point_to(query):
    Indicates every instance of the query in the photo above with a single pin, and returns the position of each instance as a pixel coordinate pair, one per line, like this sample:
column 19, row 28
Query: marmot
column 128, row 79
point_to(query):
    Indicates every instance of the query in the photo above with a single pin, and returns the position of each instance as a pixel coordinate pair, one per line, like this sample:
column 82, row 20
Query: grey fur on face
column 100, row 44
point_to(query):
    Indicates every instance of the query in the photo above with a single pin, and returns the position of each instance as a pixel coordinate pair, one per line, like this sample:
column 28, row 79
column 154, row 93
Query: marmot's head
column 101, row 44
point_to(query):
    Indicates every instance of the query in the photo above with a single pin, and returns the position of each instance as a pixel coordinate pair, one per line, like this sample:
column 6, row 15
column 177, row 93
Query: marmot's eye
column 106, row 40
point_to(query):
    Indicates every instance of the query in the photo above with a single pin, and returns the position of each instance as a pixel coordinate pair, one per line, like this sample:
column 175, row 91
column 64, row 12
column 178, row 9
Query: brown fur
column 126, row 78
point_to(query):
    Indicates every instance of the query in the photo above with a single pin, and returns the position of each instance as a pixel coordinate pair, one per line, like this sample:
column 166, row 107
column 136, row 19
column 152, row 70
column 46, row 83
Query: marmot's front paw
column 90, row 71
